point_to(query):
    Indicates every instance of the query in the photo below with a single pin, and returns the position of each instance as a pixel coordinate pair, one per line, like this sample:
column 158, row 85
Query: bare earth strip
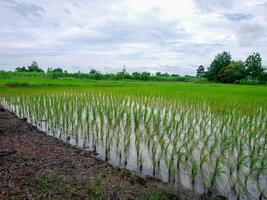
column 36, row 166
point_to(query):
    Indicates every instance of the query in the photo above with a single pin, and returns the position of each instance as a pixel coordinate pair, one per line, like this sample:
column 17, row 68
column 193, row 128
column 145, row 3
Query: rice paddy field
column 206, row 137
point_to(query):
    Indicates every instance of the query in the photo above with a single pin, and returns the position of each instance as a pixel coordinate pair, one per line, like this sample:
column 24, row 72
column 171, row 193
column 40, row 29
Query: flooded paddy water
column 196, row 145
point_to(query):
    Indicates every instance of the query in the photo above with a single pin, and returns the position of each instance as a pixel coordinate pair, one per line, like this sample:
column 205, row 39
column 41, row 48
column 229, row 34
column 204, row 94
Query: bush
column 263, row 78
column 249, row 81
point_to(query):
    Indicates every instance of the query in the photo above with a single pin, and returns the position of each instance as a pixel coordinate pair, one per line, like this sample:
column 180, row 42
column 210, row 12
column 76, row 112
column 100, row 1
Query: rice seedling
column 194, row 172
column 215, row 174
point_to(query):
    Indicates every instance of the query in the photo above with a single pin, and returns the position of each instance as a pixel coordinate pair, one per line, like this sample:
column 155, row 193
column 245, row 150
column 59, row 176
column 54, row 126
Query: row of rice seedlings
column 165, row 134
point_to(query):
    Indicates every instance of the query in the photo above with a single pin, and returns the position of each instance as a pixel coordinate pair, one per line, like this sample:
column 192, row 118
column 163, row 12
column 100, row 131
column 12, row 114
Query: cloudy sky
column 154, row 35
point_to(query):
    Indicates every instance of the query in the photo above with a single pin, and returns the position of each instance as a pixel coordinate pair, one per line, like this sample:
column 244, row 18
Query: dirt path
column 36, row 166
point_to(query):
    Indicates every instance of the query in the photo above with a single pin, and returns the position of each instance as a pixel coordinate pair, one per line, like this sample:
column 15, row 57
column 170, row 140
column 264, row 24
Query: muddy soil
column 36, row 166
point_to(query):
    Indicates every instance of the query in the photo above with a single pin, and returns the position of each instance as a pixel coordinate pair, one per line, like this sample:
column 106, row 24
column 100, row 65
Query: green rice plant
column 262, row 166
column 180, row 157
column 154, row 160
column 141, row 161
column 191, row 149
column 194, row 172
column 241, row 160
column 126, row 148
column 217, row 171
column 171, row 168
column 162, row 143
column 138, row 144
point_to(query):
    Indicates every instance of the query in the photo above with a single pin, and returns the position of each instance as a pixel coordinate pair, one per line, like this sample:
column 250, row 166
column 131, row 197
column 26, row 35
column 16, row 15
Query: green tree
column 136, row 76
column 158, row 73
column 58, row 70
column 21, row 69
column 94, row 74
column 122, row 75
column 200, row 71
column 220, row 61
column 34, row 67
column 145, row 76
column 254, row 66
column 93, row 71
column 234, row 72
column 263, row 77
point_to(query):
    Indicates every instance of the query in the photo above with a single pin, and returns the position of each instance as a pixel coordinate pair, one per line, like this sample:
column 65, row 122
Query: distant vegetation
column 222, row 69
column 35, row 71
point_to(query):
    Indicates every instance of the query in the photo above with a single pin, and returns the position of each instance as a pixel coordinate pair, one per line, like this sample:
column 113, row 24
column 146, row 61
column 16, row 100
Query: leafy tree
column 158, row 73
column 162, row 74
column 136, row 76
column 165, row 75
column 58, row 70
column 234, row 72
column 34, row 67
column 254, row 66
column 220, row 61
column 200, row 71
column 95, row 74
column 122, row 75
column 145, row 76
column 34, row 63
column 21, row 69
column 93, row 71
column 263, row 77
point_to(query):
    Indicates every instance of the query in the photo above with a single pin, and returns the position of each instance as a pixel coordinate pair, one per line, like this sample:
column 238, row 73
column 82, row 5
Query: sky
column 173, row 36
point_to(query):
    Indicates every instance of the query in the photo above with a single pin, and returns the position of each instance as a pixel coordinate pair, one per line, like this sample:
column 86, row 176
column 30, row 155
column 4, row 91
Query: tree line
column 224, row 69
column 97, row 75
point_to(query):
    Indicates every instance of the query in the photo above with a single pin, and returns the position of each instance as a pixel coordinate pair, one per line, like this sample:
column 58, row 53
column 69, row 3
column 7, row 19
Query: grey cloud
column 67, row 11
column 56, row 25
column 237, row 17
column 119, row 32
column 75, row 4
column 138, row 55
column 200, row 49
column 262, row 4
column 25, row 9
column 213, row 5
column 30, row 52
column 251, row 34
column 87, row 39
column 13, row 35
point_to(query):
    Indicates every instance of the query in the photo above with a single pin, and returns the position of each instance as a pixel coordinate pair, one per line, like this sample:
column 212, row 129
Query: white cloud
column 171, row 36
